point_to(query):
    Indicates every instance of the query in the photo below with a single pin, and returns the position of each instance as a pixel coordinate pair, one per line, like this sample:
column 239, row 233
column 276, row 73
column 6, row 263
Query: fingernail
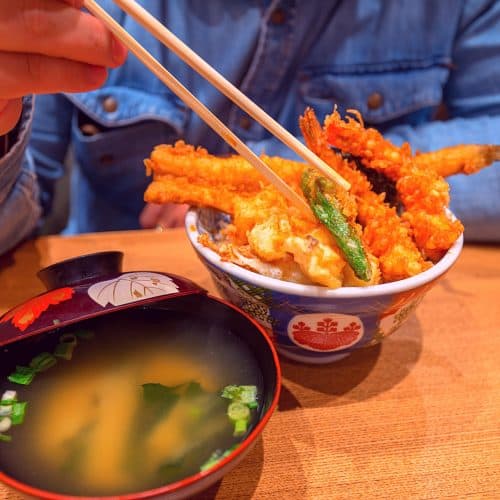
column 118, row 51
column 96, row 75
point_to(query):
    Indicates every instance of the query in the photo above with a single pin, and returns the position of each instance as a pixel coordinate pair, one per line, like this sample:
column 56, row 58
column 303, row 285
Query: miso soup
column 133, row 402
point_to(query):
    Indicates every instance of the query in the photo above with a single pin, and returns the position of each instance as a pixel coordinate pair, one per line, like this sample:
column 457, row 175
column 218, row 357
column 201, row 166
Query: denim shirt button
column 375, row 100
column 278, row 16
column 110, row 104
column 89, row 129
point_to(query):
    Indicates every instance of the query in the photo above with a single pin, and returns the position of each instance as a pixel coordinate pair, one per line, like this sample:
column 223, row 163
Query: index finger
column 52, row 29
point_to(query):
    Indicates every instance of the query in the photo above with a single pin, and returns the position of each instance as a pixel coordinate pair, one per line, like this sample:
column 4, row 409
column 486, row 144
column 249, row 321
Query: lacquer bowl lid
column 85, row 287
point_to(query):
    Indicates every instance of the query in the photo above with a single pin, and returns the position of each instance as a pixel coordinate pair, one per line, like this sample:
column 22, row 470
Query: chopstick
column 210, row 119
column 190, row 57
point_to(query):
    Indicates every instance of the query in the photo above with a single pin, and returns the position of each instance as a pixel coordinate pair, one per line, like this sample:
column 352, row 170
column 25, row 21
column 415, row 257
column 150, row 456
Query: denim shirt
column 395, row 61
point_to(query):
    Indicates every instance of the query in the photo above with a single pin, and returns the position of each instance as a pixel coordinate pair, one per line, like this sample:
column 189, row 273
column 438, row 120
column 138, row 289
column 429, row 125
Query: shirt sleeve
column 48, row 145
column 472, row 98
column 19, row 206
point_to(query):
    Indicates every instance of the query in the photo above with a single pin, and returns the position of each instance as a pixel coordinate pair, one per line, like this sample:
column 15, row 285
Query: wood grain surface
column 415, row 417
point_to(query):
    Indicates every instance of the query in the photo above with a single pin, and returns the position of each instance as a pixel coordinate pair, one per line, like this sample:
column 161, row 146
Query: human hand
column 49, row 46
column 162, row 216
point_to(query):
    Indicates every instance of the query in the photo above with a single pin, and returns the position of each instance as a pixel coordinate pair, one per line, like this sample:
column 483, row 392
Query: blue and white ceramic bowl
column 314, row 324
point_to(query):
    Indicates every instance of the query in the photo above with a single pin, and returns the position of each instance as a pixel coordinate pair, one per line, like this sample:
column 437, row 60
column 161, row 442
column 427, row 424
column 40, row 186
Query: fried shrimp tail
column 462, row 159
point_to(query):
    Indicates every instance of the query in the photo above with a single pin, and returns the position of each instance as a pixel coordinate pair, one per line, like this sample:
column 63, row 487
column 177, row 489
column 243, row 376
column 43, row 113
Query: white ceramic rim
column 191, row 224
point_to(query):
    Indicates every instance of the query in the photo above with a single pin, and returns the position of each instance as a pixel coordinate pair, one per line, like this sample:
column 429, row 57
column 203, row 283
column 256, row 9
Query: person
column 397, row 62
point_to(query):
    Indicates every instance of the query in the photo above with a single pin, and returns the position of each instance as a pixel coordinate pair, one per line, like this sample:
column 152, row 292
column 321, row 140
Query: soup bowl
column 314, row 324
column 41, row 339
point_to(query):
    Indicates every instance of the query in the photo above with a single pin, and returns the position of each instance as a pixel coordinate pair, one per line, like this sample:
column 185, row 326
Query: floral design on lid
column 131, row 287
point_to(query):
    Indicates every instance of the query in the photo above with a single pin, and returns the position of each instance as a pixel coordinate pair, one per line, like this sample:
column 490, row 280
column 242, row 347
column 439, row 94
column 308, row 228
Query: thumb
column 10, row 112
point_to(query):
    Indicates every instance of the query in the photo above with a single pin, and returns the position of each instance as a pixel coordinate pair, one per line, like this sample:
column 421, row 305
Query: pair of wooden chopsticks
column 217, row 80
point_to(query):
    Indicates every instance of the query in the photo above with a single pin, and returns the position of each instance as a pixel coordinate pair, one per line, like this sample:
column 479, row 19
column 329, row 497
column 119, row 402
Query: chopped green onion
column 212, row 460
column 18, row 412
column 216, row 457
column 8, row 399
column 244, row 399
column 240, row 427
column 5, row 424
column 43, row 362
column 65, row 350
column 5, row 438
column 11, row 410
column 243, row 393
column 6, row 410
column 230, row 391
column 239, row 414
column 238, row 411
column 9, row 396
column 23, row 375
column 248, row 394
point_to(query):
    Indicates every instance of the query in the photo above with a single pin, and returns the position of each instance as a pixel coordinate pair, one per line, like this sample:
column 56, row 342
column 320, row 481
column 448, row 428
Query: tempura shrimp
column 383, row 233
column 422, row 191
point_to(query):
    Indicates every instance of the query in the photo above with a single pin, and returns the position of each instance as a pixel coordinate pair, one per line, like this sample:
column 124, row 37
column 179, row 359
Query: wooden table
column 415, row 417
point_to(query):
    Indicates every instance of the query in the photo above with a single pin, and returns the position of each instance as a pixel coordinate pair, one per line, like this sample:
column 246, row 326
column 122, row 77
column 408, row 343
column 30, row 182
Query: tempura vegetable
column 319, row 193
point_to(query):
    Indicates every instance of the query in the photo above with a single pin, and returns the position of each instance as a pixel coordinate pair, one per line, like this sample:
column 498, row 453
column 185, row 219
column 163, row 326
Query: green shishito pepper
column 320, row 194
